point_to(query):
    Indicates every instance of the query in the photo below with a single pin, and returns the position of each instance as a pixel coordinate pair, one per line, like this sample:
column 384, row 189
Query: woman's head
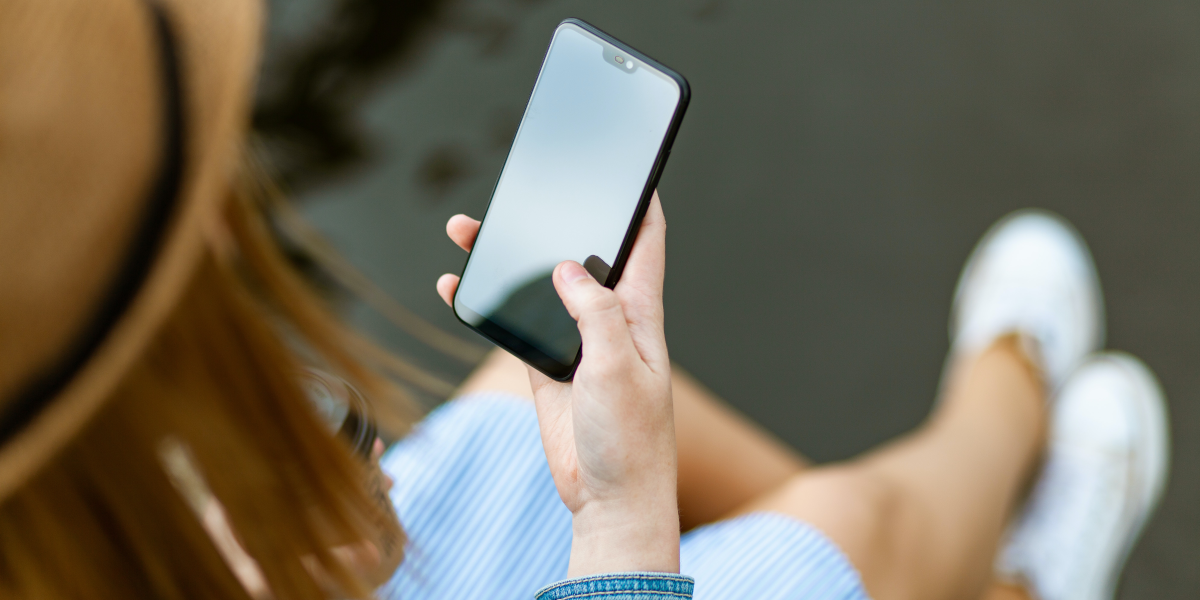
column 143, row 307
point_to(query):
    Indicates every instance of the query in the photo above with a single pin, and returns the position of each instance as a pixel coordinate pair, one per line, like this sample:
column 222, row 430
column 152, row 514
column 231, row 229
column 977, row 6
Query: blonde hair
column 104, row 519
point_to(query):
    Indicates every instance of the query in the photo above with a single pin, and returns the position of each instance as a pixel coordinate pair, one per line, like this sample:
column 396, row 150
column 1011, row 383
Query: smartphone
column 585, row 161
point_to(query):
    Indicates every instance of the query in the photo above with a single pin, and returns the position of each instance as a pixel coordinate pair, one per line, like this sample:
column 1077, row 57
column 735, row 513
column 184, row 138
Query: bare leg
column 499, row 372
column 922, row 517
column 1001, row 591
column 725, row 460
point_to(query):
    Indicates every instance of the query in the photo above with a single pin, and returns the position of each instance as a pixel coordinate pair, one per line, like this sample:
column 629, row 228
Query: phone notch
column 620, row 60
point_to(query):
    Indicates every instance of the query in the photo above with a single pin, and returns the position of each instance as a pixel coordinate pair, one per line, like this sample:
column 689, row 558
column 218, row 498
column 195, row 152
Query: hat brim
column 218, row 44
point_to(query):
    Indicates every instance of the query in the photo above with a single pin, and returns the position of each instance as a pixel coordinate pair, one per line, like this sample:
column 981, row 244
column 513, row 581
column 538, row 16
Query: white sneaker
column 1106, row 468
column 1031, row 274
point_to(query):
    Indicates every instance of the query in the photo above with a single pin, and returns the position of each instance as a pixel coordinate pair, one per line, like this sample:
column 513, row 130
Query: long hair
column 112, row 515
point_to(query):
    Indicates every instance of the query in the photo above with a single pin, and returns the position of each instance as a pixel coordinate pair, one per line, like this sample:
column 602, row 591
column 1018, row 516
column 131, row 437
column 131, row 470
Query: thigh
column 725, row 459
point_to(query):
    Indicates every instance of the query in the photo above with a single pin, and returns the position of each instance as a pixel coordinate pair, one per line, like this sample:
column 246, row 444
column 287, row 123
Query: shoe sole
column 1153, row 460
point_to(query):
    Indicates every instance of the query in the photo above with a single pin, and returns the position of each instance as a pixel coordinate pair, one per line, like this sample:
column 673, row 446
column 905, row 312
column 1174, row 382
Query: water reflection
column 316, row 82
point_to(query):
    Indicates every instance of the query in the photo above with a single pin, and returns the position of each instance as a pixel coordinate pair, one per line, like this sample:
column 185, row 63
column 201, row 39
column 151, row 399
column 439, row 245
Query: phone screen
column 580, row 164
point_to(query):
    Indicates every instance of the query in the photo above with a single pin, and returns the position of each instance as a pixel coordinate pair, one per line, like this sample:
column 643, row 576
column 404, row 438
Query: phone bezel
column 496, row 333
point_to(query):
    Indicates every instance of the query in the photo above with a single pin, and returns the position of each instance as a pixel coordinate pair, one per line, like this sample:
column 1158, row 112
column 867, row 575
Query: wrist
column 612, row 539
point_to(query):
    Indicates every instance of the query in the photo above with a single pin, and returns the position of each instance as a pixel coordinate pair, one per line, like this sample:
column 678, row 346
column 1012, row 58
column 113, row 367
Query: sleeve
column 622, row 586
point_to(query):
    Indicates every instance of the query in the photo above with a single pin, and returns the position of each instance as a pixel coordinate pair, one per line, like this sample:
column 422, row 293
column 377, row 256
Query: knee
column 850, row 505
column 859, row 510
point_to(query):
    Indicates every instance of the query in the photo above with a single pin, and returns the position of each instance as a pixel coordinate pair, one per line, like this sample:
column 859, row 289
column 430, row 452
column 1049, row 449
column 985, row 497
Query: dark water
column 838, row 162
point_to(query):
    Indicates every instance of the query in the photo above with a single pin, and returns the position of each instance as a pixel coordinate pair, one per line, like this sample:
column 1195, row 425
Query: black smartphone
column 579, row 176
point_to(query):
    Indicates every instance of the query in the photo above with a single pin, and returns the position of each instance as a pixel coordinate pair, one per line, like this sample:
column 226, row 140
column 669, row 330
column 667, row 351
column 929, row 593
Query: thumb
column 598, row 311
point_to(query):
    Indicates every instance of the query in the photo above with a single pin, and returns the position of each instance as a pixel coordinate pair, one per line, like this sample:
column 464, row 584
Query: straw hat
column 120, row 127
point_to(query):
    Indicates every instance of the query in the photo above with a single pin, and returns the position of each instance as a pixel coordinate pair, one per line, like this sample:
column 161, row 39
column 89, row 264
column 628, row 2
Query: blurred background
column 839, row 160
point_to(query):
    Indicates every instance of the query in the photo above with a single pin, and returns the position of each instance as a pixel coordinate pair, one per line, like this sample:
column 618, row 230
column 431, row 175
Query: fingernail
column 572, row 272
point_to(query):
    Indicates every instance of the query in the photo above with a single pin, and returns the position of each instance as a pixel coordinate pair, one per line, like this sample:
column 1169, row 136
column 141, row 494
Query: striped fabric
column 767, row 555
column 485, row 521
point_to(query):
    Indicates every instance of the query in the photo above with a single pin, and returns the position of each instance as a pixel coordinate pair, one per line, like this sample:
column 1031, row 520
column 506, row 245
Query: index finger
column 462, row 231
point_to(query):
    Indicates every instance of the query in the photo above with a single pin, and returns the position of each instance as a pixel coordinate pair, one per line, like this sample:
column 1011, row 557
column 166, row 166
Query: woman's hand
column 609, row 434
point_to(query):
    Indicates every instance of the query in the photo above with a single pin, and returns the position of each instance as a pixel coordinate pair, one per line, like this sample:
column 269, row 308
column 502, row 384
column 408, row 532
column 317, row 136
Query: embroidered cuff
column 621, row 586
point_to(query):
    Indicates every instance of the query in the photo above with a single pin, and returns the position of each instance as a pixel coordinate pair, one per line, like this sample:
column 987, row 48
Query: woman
column 155, row 440
column 1025, row 394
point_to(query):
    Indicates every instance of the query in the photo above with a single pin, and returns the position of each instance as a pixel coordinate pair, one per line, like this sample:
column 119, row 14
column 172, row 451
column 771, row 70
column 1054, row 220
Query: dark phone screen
column 569, row 190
